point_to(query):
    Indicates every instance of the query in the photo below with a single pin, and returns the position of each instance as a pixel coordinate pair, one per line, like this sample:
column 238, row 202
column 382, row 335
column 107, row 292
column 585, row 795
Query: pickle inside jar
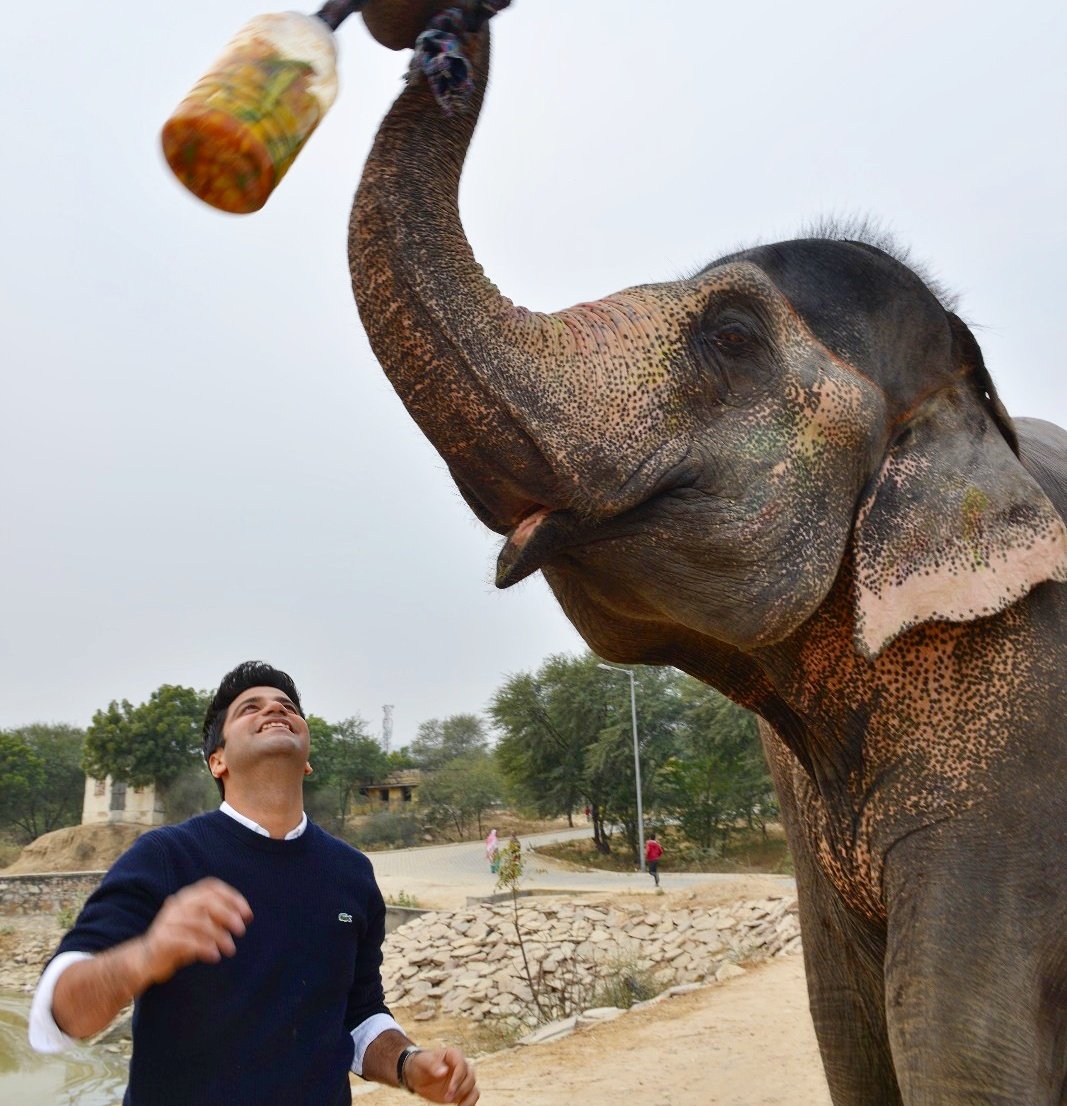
column 233, row 138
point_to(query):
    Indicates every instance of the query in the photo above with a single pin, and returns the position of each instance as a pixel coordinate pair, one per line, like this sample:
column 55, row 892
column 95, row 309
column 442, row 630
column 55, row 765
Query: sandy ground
column 75, row 849
column 745, row 1042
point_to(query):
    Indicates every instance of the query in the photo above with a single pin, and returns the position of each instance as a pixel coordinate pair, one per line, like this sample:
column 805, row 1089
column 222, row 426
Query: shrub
column 387, row 830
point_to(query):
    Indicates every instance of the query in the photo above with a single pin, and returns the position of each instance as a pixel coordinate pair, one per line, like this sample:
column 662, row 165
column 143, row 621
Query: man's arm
column 198, row 923
column 91, row 992
column 439, row 1075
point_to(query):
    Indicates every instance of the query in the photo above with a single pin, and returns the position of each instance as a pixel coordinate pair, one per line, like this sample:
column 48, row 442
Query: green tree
column 460, row 793
column 148, row 744
column 400, row 760
column 192, row 792
column 567, row 739
column 41, row 780
column 547, row 721
column 610, row 759
column 719, row 777
column 438, row 741
column 344, row 758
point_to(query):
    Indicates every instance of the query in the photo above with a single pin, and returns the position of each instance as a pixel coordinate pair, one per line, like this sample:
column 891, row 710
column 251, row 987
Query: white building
column 107, row 801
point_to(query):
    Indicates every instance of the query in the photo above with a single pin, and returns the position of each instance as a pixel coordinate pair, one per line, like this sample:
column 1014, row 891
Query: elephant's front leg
column 843, row 960
column 976, row 973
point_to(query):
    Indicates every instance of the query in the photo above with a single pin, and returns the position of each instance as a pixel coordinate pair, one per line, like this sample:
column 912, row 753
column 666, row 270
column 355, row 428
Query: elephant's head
column 698, row 459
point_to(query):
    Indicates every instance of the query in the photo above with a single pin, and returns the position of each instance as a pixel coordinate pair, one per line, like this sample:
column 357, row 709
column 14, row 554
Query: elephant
column 789, row 475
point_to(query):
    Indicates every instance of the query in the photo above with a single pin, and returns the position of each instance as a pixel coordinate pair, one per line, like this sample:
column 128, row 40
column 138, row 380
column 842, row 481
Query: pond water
column 80, row 1077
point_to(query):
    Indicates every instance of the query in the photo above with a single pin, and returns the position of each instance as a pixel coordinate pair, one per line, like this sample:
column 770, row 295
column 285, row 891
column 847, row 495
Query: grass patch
column 9, row 853
column 749, row 852
column 402, row 898
column 473, row 1038
column 623, row 983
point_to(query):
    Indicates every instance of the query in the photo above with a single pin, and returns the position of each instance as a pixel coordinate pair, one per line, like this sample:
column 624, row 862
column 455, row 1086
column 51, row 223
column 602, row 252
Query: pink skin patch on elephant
column 525, row 530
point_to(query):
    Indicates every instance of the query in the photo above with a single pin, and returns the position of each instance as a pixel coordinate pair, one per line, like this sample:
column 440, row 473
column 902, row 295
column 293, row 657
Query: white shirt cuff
column 366, row 1032
column 45, row 1035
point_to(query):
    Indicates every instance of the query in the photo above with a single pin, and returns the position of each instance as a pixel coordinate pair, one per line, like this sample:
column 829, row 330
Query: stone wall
column 52, row 892
column 48, row 893
column 469, row 963
column 33, row 909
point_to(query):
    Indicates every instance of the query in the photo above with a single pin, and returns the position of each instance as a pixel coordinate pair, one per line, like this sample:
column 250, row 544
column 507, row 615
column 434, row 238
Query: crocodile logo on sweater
column 343, row 917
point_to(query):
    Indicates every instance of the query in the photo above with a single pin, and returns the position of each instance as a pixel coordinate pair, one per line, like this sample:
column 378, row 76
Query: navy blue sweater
column 271, row 1024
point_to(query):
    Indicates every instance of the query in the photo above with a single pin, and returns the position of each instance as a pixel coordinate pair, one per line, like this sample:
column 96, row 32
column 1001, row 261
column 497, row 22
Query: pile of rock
column 26, row 945
column 470, row 963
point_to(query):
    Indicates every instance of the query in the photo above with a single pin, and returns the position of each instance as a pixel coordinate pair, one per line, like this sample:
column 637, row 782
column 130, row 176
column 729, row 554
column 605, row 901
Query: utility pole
column 637, row 760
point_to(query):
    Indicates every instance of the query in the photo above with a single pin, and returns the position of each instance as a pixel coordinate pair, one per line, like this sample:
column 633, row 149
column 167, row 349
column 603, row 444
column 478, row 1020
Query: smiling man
column 249, row 938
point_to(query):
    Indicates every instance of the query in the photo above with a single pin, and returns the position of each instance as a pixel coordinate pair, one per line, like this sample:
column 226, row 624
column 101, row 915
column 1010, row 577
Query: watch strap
column 401, row 1062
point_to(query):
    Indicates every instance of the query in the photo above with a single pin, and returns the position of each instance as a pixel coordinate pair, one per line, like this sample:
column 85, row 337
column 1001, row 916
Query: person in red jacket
column 653, row 851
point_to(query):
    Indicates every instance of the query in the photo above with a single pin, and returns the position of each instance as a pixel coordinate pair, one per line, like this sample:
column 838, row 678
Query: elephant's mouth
column 541, row 534
column 545, row 532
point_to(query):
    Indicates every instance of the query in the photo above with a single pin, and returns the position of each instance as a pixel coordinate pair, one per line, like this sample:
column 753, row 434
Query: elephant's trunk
column 537, row 415
column 443, row 333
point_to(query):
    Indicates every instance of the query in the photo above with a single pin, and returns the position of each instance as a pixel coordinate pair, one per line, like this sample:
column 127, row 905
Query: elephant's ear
column 952, row 528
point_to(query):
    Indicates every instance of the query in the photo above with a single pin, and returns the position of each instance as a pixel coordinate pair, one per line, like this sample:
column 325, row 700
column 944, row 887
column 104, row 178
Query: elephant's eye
column 731, row 338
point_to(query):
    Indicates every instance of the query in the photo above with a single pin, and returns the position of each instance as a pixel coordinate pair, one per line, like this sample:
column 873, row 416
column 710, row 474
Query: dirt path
column 745, row 1042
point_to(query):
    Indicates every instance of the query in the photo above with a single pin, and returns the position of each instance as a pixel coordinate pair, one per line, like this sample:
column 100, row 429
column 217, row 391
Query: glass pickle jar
column 232, row 139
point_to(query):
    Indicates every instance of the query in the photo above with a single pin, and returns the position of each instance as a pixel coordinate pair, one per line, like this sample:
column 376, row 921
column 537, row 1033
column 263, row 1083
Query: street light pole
column 637, row 759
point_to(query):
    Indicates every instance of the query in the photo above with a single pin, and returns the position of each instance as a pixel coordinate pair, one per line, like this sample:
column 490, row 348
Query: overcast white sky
column 202, row 461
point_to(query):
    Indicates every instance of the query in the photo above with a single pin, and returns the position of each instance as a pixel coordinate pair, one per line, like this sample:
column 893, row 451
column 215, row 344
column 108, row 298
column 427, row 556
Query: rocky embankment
column 26, row 944
column 469, row 963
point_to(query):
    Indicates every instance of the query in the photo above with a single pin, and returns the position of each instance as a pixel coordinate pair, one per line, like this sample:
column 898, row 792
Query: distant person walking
column 653, row 852
column 492, row 851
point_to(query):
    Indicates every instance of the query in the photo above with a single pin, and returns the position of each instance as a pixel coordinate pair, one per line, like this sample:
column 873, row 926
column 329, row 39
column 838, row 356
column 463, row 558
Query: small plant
column 508, row 878
column 623, row 983
column 402, row 898
column 495, row 1035
column 558, row 993
column 66, row 917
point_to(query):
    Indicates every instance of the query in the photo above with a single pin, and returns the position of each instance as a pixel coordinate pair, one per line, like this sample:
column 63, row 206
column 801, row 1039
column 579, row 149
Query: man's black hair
column 245, row 675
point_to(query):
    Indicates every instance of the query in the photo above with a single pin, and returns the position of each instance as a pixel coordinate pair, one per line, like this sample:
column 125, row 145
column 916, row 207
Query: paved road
column 464, row 866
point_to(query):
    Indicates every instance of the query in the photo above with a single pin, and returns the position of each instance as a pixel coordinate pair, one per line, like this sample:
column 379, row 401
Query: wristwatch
column 401, row 1062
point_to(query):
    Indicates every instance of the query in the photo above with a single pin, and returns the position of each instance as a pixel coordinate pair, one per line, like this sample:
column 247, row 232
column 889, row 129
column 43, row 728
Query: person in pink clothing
column 653, row 852
column 491, row 849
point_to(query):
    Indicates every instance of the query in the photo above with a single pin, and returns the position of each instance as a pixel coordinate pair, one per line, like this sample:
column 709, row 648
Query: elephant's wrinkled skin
column 790, row 476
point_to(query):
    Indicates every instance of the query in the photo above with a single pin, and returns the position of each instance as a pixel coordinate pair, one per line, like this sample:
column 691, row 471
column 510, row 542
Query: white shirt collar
column 237, row 816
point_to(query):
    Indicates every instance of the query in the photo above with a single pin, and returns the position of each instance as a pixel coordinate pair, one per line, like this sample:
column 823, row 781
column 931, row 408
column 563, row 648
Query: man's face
column 261, row 723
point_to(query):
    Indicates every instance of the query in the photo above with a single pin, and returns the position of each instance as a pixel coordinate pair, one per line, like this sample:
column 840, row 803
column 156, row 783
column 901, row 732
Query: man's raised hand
column 198, row 923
